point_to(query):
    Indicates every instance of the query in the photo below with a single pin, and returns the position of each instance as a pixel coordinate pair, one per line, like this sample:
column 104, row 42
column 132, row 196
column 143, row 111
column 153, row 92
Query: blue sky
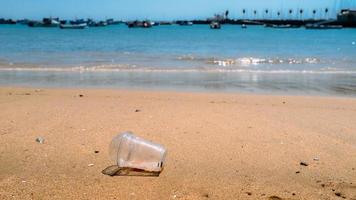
column 161, row 9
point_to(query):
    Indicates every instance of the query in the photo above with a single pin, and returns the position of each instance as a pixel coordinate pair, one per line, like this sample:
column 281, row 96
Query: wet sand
column 220, row 146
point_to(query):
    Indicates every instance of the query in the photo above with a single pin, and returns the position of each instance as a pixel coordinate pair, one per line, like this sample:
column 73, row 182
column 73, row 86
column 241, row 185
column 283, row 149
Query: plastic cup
column 130, row 151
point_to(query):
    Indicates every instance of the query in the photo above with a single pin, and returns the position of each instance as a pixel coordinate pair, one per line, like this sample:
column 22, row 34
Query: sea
column 295, row 61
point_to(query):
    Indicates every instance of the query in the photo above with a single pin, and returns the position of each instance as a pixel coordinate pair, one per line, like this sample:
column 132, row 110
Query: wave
column 248, row 61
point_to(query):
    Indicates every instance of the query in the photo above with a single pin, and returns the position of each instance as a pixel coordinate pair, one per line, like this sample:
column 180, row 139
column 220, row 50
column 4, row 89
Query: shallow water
column 256, row 59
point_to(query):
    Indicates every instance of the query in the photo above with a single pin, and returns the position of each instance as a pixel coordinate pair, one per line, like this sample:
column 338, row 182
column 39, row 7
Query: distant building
column 347, row 17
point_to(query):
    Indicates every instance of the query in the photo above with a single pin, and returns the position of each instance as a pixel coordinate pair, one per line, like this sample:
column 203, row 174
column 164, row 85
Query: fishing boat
column 215, row 25
column 46, row 22
column 73, row 26
column 139, row 24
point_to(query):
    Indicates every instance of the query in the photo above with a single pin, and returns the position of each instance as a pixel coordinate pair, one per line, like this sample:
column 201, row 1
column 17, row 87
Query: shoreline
column 167, row 91
column 220, row 145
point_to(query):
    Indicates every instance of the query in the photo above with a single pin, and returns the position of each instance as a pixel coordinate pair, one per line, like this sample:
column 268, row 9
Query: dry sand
column 220, row 146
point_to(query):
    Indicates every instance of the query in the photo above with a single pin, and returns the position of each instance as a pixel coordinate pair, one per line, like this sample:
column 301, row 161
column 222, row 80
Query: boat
column 73, row 26
column 139, row 24
column 7, row 21
column 46, row 22
column 185, row 23
column 243, row 26
column 165, row 23
column 100, row 24
column 215, row 25
column 322, row 26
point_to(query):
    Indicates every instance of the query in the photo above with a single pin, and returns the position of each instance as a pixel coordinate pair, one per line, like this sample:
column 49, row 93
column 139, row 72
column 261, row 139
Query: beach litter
column 303, row 164
column 40, row 140
column 135, row 156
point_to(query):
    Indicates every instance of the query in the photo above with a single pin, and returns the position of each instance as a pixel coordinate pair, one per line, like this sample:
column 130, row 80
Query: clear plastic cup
column 130, row 151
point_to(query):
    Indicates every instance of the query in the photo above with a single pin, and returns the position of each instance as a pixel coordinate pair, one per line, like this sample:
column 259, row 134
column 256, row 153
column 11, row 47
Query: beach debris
column 302, row 163
column 96, row 151
column 90, row 165
column 81, row 95
column 249, row 193
column 27, row 93
column 297, row 172
column 137, row 110
column 316, row 159
column 135, row 156
column 206, row 195
column 40, row 140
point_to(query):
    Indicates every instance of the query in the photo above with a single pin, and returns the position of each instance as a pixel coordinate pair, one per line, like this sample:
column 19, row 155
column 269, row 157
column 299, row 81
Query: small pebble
column 40, row 140
column 338, row 194
column 96, row 151
column 297, row 172
column 137, row 110
column 81, row 95
column 249, row 193
column 90, row 165
column 316, row 159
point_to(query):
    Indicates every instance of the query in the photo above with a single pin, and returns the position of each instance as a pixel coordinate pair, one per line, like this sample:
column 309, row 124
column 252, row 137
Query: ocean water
column 192, row 58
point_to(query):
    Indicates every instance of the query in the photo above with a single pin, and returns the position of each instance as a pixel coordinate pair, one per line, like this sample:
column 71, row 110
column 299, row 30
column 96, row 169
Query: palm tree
column 301, row 13
column 314, row 12
column 266, row 11
column 326, row 12
column 290, row 13
column 226, row 14
column 255, row 13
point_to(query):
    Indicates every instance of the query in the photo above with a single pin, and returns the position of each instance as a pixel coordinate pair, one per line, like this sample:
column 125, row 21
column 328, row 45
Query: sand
column 220, row 146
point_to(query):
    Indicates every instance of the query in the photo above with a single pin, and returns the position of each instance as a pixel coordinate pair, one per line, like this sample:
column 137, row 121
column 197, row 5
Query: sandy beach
column 220, row 146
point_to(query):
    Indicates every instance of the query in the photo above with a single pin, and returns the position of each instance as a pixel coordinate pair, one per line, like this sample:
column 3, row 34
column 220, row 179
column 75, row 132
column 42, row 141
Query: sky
column 165, row 9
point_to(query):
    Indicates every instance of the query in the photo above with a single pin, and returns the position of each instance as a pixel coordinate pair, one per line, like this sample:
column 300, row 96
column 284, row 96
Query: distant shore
column 220, row 146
